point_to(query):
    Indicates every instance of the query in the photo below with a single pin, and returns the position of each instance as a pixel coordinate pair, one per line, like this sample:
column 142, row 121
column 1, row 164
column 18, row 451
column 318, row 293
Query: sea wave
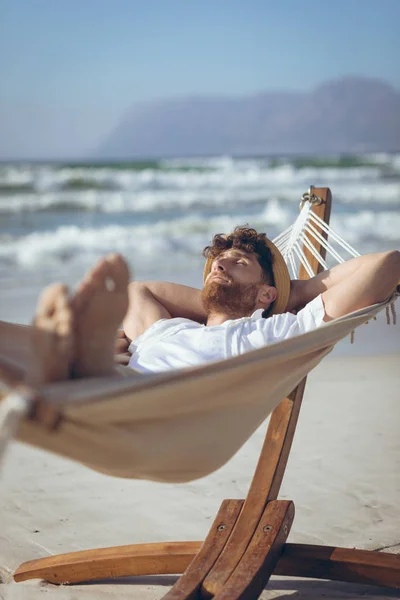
column 182, row 237
column 207, row 178
column 234, row 193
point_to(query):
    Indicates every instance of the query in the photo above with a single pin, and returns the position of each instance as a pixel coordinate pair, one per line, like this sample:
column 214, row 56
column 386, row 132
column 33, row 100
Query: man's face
column 233, row 284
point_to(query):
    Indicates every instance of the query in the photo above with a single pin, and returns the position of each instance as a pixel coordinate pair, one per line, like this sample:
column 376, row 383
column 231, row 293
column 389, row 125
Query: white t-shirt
column 179, row 343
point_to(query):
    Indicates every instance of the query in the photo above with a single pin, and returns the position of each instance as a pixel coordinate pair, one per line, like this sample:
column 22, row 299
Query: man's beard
column 235, row 300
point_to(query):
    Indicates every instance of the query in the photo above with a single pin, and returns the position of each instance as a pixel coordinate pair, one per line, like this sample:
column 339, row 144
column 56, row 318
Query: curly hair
column 246, row 239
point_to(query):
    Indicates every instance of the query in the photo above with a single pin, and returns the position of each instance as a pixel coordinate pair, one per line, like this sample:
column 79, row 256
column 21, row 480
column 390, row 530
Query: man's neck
column 219, row 318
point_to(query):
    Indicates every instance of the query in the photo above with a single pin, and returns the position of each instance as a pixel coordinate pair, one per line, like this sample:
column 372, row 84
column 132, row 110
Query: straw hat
column 281, row 278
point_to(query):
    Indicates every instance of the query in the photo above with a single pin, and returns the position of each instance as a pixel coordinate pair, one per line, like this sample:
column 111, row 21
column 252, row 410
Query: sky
column 71, row 69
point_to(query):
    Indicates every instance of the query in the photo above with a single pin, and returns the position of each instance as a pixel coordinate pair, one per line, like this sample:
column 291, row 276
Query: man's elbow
column 392, row 254
column 395, row 260
column 388, row 271
column 396, row 256
column 391, row 261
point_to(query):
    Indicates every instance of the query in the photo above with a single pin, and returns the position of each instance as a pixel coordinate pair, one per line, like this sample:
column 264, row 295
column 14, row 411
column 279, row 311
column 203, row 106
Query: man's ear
column 266, row 295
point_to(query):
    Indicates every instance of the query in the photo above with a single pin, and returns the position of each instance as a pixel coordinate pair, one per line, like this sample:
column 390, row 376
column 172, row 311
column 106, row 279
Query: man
column 246, row 281
column 247, row 301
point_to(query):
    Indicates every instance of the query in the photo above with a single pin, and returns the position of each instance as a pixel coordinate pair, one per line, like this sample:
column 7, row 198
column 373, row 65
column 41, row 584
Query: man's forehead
column 236, row 252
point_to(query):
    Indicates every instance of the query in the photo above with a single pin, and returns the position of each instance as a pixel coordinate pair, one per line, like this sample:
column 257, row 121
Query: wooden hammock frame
column 247, row 541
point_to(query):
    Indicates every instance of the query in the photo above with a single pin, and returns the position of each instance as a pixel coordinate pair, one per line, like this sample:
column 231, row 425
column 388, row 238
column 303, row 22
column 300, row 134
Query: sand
column 343, row 475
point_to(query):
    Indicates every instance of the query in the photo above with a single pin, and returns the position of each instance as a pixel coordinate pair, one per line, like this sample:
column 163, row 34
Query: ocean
column 57, row 219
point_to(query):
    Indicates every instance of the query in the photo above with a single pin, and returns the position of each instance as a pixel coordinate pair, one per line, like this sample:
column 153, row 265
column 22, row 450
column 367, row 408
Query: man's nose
column 219, row 265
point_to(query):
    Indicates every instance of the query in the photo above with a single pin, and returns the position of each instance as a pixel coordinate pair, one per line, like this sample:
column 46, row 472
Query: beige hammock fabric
column 183, row 425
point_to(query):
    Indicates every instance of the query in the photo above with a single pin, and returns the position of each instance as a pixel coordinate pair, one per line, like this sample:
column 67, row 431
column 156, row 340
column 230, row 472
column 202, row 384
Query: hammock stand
column 247, row 541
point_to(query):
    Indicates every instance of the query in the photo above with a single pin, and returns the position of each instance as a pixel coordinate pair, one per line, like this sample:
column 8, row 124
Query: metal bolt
column 285, row 529
column 267, row 528
column 221, row 527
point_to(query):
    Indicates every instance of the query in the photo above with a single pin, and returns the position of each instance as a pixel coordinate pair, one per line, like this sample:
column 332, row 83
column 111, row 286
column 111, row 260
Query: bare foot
column 52, row 337
column 99, row 306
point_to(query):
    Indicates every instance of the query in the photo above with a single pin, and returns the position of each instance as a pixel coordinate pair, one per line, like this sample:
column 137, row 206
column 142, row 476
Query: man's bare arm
column 355, row 284
column 150, row 301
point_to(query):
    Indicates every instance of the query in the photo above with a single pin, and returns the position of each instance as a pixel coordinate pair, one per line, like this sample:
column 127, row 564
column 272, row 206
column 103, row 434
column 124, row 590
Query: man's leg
column 52, row 337
column 76, row 338
column 15, row 352
column 99, row 307
column 41, row 352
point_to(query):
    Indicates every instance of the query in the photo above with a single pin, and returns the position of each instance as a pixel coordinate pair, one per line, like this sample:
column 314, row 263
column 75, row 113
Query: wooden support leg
column 341, row 564
column 259, row 561
column 166, row 558
column 297, row 560
column 188, row 586
column 138, row 559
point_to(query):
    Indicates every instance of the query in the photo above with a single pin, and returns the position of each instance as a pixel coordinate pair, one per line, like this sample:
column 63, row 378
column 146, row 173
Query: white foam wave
column 224, row 181
column 367, row 225
column 232, row 194
column 182, row 238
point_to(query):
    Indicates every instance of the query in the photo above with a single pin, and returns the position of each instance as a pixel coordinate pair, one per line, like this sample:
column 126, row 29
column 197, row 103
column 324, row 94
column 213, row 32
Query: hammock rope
column 13, row 408
column 306, row 229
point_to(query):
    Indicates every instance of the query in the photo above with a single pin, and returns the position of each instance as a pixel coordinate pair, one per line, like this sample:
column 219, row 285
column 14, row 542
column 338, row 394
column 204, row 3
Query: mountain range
column 350, row 115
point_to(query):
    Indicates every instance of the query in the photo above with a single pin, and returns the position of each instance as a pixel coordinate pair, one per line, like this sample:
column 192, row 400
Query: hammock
column 180, row 426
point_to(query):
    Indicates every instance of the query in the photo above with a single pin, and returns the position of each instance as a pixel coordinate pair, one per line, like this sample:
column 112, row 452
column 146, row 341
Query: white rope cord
column 313, row 250
column 303, row 259
column 14, row 407
column 300, row 223
column 288, row 239
column 324, row 242
column 282, row 244
column 393, row 311
column 325, row 227
column 333, row 235
column 288, row 257
column 307, row 241
column 285, row 234
column 307, row 227
column 293, row 266
column 299, row 261
column 314, row 233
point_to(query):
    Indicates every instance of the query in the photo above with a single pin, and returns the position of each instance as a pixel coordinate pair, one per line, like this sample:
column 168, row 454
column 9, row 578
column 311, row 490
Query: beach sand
column 343, row 475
